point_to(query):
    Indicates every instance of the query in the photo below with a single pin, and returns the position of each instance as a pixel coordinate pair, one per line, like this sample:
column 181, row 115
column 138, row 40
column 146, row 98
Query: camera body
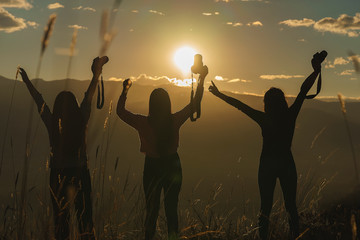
column 320, row 57
column 198, row 66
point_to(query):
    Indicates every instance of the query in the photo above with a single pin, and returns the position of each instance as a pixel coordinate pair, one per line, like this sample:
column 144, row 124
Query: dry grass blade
column 47, row 33
column 73, row 42
column 108, row 38
column 45, row 40
column 104, row 24
column 343, row 109
column 342, row 103
column 8, row 118
column 354, row 58
column 72, row 52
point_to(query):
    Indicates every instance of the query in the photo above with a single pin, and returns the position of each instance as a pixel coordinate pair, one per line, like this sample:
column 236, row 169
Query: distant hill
column 223, row 146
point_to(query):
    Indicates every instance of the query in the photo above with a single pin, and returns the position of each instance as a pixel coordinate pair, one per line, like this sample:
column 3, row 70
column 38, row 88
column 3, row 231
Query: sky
column 248, row 45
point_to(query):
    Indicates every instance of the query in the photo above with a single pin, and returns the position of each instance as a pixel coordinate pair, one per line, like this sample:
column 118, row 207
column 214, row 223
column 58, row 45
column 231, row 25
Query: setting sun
column 184, row 58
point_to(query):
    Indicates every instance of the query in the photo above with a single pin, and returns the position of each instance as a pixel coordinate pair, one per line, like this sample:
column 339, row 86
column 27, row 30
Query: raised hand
column 97, row 65
column 317, row 59
column 126, row 85
column 213, row 89
column 204, row 72
column 24, row 75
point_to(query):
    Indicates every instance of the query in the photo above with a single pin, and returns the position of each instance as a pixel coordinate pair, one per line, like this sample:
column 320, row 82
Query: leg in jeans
column 152, row 189
column 266, row 181
column 172, row 188
column 288, row 182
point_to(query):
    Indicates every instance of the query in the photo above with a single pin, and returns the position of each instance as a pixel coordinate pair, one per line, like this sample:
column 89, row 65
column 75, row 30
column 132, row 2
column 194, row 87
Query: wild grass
column 119, row 207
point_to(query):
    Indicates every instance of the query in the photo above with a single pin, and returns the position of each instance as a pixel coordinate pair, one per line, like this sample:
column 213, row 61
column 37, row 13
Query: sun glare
column 184, row 58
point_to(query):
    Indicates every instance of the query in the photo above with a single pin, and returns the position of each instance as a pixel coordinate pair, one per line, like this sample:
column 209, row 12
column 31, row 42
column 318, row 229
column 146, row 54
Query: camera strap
column 317, row 90
column 100, row 98
column 192, row 108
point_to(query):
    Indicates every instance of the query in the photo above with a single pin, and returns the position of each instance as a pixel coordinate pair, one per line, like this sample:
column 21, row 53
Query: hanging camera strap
column 100, row 98
column 317, row 90
column 192, row 107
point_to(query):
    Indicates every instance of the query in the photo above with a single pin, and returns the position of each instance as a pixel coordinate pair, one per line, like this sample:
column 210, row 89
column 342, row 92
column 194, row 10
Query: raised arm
column 307, row 84
column 96, row 69
column 256, row 115
column 185, row 113
column 43, row 108
column 125, row 115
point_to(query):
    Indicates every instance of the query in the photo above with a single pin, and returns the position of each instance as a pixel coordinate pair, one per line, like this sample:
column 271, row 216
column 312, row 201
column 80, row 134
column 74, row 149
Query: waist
column 68, row 161
column 165, row 158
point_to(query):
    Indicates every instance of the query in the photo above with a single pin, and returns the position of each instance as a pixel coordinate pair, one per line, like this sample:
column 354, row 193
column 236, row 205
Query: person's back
column 277, row 133
column 67, row 133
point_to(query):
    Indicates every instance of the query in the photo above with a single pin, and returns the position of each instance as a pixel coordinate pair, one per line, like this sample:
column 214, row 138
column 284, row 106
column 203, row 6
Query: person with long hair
column 159, row 137
column 69, row 175
column 277, row 124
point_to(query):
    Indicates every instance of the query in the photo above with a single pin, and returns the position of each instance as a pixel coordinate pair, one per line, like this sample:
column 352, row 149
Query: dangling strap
column 318, row 89
column 192, row 118
column 197, row 108
column 100, row 103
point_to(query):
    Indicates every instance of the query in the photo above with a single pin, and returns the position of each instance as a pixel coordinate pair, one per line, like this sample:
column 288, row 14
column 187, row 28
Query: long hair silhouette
column 161, row 119
column 68, row 122
column 274, row 102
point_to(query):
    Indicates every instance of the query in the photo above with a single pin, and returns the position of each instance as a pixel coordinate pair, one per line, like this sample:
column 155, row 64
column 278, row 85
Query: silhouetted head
column 275, row 102
column 67, row 121
column 159, row 104
column 160, row 119
column 65, row 105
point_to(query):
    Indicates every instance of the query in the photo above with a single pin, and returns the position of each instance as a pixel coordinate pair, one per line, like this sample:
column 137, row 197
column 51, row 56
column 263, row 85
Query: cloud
column 90, row 9
column 157, row 12
column 220, row 78
column 32, row 24
column 234, row 24
column 347, row 72
column 337, row 61
column 344, row 24
column 145, row 79
column 75, row 26
column 210, row 14
column 15, row 4
column 256, row 23
column 340, row 61
column 9, row 23
column 116, row 79
column 55, row 6
column 280, row 76
column 238, row 80
column 305, row 22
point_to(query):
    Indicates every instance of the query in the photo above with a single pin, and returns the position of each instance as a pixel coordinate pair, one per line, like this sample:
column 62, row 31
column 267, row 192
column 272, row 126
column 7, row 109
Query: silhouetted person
column 277, row 124
column 69, row 176
column 159, row 136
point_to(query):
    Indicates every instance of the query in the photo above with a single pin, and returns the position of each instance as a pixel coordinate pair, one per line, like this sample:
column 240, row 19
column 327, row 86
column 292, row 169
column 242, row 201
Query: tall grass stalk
column 8, row 119
column 343, row 110
column 23, row 194
column 71, row 55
